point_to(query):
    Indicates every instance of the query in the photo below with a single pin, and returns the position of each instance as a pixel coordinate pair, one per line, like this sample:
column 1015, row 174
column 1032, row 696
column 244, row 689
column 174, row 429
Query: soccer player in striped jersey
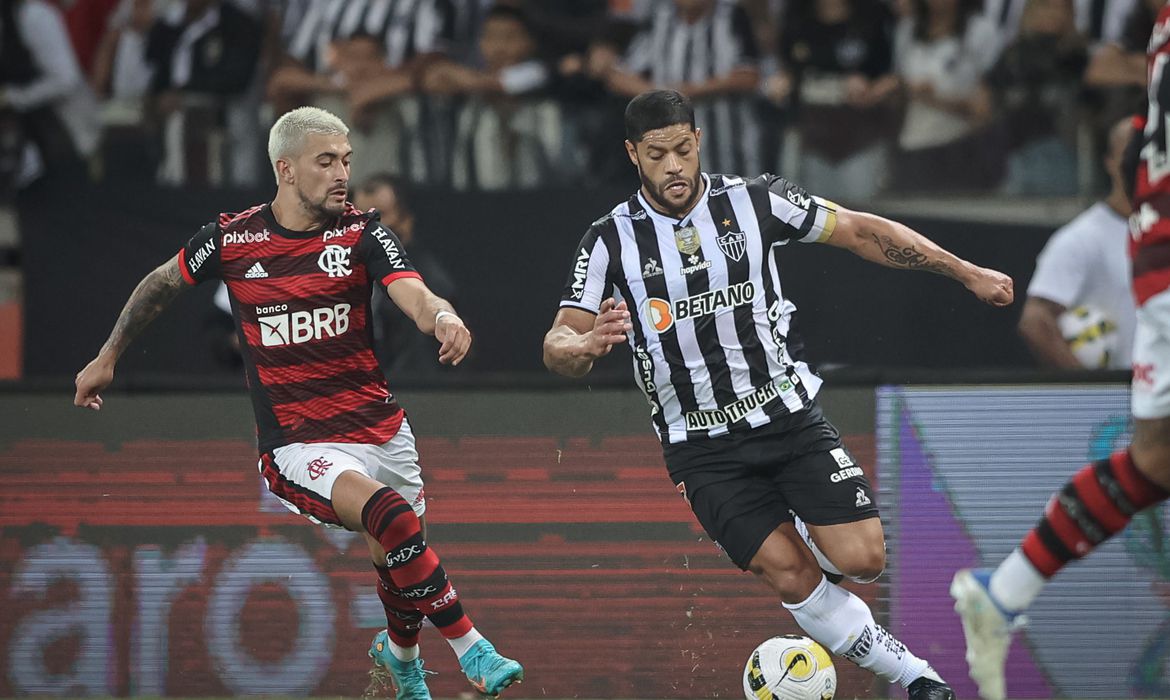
column 334, row 444
column 1102, row 497
column 685, row 271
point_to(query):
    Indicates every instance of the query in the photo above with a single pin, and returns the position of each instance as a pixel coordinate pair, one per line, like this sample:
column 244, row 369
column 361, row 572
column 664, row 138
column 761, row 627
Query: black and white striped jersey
column 710, row 320
column 405, row 28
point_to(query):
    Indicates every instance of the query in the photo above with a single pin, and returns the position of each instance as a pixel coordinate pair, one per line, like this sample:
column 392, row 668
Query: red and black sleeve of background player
column 199, row 260
column 384, row 255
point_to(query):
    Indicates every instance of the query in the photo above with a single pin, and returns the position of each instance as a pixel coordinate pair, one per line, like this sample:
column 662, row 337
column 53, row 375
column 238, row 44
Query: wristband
column 443, row 313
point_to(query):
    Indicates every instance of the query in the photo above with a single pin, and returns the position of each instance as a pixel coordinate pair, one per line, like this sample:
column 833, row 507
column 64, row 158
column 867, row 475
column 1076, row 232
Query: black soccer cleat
column 927, row 689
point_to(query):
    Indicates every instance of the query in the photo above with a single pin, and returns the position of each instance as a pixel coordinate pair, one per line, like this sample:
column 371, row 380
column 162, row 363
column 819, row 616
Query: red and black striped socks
column 413, row 570
column 1097, row 503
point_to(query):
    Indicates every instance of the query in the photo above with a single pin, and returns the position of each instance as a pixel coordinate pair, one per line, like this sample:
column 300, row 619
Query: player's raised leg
column 416, row 574
column 1095, row 504
column 835, row 617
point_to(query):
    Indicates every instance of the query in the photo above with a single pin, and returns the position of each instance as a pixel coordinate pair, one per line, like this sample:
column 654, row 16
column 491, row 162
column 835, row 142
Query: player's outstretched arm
column 893, row 244
column 578, row 338
column 434, row 316
column 149, row 298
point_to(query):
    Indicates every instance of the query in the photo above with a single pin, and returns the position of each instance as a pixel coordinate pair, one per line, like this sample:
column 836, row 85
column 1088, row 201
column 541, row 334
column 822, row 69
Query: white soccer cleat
column 988, row 629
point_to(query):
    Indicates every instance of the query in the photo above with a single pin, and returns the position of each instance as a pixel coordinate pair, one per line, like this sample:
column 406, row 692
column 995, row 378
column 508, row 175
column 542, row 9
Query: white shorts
column 302, row 474
column 1150, row 396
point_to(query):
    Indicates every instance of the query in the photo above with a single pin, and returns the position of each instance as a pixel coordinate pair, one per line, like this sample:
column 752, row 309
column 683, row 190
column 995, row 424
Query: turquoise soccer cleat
column 487, row 671
column 408, row 677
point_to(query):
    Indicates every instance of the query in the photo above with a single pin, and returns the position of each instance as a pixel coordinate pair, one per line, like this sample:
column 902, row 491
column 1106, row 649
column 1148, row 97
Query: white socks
column 1015, row 583
column 462, row 644
column 843, row 623
column 403, row 653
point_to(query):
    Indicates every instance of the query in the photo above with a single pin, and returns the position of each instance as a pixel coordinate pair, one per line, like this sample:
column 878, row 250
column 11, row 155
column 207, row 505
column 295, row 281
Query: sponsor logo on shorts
column 318, row 467
column 840, row 456
column 843, row 474
column 704, row 420
column 862, row 499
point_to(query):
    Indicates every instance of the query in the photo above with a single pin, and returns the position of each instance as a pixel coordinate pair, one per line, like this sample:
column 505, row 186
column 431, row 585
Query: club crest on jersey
column 733, row 244
column 687, row 240
column 335, row 261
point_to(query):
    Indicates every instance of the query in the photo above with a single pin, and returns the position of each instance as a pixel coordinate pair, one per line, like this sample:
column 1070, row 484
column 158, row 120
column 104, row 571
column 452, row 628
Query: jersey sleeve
column 588, row 283
column 199, row 260
column 1062, row 270
column 384, row 255
column 795, row 215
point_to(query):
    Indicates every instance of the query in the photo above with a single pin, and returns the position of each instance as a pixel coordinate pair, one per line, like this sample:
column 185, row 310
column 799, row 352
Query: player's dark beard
column 657, row 196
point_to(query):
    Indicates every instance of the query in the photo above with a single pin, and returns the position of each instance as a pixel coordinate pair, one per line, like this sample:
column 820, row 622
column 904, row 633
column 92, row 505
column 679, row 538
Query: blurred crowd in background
column 850, row 97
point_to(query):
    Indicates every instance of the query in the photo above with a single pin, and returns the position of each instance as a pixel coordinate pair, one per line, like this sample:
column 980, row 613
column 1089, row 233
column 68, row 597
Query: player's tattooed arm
column 896, row 245
column 146, row 302
column 153, row 294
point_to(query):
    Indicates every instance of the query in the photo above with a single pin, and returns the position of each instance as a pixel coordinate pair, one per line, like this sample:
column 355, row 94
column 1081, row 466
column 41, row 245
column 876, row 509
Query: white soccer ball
column 1090, row 334
column 789, row 667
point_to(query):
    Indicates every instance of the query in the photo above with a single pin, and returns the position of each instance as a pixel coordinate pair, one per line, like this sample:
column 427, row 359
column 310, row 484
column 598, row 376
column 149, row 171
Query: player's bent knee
column 793, row 578
column 865, row 565
column 351, row 492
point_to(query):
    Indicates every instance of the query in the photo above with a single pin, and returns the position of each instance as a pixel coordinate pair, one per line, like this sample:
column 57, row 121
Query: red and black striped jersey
column 301, row 302
column 1150, row 221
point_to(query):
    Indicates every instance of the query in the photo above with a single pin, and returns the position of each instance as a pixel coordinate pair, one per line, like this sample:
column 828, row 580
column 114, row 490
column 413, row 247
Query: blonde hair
column 288, row 133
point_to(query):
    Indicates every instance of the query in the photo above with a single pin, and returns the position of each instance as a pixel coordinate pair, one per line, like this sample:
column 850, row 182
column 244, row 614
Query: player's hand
column 610, row 327
column 96, row 376
column 454, row 337
column 992, row 287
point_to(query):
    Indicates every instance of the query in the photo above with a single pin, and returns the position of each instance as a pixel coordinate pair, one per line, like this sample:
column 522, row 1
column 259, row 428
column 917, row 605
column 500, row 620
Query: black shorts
column 743, row 486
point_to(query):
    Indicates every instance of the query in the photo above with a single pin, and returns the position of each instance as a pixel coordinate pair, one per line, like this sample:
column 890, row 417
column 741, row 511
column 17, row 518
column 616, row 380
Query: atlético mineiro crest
column 733, row 244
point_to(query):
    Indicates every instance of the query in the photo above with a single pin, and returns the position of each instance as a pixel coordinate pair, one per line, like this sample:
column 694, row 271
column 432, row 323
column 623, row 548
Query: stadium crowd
column 858, row 96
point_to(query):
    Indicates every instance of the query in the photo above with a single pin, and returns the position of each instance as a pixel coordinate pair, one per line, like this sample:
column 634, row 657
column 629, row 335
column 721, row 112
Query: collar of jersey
column 654, row 213
column 269, row 217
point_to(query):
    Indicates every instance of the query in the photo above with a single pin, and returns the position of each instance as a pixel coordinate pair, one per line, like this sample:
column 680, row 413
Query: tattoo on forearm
column 909, row 257
column 149, row 298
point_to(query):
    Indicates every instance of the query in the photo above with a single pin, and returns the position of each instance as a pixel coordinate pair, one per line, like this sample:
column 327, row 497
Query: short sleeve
column 588, row 282
column 1062, row 269
column 199, row 260
column 384, row 255
column 795, row 215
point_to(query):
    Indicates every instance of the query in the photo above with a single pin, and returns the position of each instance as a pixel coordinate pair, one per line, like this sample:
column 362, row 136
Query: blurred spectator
column 120, row 70
column 593, row 111
column 1117, row 70
column 361, row 59
column 1085, row 264
column 706, row 50
column 47, row 112
column 86, row 21
column 836, row 60
column 1099, row 21
column 1036, row 83
column 941, row 52
column 203, row 56
column 401, row 349
column 563, row 27
column 504, row 137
